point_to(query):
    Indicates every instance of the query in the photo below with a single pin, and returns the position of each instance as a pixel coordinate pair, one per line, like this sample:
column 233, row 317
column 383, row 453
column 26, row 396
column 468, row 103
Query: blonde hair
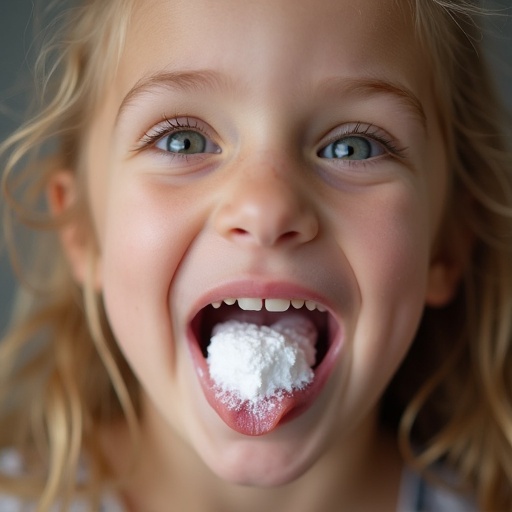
column 455, row 388
column 62, row 374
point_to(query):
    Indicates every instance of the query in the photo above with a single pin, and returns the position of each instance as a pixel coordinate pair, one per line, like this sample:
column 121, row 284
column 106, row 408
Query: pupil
column 186, row 142
column 179, row 143
column 353, row 148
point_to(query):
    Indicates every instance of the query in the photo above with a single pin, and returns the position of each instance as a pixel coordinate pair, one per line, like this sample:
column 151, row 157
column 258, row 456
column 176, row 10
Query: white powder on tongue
column 249, row 362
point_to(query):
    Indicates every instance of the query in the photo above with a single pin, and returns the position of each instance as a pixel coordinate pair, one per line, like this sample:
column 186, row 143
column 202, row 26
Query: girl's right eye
column 186, row 142
column 180, row 136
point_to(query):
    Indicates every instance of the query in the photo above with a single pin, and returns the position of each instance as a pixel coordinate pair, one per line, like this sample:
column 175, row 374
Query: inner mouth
column 208, row 317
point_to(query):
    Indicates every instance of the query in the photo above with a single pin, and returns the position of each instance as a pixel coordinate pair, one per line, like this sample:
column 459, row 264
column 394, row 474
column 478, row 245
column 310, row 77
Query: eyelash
column 371, row 132
column 167, row 127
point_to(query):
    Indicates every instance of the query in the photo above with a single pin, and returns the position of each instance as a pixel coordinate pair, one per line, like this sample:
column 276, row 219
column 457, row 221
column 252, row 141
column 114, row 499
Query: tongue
column 259, row 373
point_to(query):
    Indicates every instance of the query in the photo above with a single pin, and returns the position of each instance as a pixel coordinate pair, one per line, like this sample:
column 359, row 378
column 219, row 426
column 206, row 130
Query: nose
column 266, row 208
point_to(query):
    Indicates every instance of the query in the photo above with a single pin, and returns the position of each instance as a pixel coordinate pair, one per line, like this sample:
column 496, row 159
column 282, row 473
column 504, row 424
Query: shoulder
column 11, row 464
column 418, row 495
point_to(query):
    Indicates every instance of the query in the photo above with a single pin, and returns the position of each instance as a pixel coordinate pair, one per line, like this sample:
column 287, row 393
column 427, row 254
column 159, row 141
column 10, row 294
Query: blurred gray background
column 15, row 39
column 16, row 31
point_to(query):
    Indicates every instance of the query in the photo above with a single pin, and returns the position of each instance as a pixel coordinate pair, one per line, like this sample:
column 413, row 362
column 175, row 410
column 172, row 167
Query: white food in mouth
column 250, row 362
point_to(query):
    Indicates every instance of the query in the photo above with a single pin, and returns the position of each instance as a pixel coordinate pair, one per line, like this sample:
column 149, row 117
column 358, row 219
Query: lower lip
column 278, row 411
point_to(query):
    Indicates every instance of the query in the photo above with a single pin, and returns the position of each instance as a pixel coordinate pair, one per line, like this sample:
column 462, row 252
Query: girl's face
column 313, row 169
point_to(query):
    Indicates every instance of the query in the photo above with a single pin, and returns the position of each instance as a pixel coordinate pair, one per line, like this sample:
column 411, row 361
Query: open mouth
column 271, row 410
column 262, row 312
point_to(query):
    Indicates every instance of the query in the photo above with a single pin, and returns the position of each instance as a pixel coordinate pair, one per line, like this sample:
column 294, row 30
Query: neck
column 360, row 472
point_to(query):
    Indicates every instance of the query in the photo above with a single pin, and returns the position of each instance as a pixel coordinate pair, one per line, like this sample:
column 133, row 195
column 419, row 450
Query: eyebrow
column 198, row 80
column 186, row 81
column 377, row 86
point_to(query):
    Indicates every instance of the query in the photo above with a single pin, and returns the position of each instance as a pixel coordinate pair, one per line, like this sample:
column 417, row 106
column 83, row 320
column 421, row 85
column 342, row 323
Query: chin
column 261, row 473
column 267, row 461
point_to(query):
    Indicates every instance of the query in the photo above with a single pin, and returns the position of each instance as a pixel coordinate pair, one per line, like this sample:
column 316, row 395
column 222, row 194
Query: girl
column 334, row 164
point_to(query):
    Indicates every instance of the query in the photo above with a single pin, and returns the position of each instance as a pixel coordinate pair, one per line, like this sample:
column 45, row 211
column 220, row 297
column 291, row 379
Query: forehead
column 274, row 40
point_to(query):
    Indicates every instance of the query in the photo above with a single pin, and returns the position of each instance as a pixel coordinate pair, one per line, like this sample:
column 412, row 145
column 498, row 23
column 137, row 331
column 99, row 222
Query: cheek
column 387, row 237
column 397, row 244
column 144, row 239
column 390, row 262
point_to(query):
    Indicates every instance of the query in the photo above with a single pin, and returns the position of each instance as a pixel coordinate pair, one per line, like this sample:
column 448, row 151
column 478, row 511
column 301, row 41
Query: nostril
column 239, row 232
column 266, row 217
column 266, row 240
column 290, row 235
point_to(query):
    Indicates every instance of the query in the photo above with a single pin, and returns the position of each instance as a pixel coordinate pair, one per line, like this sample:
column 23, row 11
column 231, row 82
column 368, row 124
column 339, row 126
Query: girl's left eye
column 352, row 148
column 187, row 142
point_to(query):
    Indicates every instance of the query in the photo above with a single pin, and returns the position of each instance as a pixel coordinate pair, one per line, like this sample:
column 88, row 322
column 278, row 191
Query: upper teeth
column 276, row 305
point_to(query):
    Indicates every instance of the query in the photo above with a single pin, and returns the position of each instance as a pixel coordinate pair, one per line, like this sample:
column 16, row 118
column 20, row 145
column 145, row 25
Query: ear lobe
column 449, row 264
column 443, row 282
column 74, row 234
